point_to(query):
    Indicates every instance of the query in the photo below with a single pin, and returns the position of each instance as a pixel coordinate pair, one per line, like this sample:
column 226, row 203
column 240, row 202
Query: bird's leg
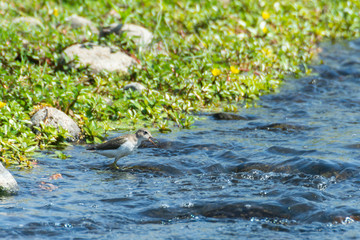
column 114, row 165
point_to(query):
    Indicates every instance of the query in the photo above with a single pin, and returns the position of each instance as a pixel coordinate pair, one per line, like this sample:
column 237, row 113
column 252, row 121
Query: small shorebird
column 122, row 146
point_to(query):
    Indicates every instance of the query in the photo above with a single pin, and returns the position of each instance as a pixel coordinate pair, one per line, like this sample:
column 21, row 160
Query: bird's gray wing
column 111, row 144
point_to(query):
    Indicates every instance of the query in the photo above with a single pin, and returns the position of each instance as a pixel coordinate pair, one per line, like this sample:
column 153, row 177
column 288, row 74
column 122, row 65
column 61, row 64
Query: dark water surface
column 291, row 172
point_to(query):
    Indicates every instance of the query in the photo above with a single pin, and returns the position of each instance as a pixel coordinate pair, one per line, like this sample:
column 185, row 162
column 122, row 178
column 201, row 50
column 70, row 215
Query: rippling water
column 290, row 172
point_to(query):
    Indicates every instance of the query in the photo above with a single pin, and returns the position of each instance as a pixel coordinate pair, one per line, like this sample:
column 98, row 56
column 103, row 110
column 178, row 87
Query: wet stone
column 312, row 167
column 56, row 118
column 8, row 184
column 228, row 116
column 351, row 63
column 326, row 72
column 347, row 173
column 282, row 127
column 288, row 151
column 243, row 210
column 353, row 146
column 216, row 168
column 330, row 74
column 349, row 71
column 162, row 143
column 98, row 58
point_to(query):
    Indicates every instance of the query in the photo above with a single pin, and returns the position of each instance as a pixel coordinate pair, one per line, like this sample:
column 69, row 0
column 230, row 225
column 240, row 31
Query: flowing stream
column 289, row 171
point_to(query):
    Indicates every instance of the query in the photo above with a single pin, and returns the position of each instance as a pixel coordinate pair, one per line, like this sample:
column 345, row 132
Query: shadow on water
column 287, row 169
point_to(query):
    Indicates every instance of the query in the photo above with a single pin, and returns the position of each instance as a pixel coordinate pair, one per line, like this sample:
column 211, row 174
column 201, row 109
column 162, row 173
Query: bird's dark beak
column 151, row 140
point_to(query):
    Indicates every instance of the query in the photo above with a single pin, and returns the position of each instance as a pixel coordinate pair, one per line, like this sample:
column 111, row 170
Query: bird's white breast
column 125, row 149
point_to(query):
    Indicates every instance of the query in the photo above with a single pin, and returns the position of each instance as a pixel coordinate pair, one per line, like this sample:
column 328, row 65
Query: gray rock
column 99, row 58
column 8, row 184
column 135, row 87
column 76, row 21
column 56, row 118
column 31, row 21
column 141, row 36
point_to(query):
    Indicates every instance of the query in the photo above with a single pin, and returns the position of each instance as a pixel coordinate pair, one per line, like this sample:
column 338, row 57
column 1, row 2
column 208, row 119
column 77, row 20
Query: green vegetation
column 211, row 55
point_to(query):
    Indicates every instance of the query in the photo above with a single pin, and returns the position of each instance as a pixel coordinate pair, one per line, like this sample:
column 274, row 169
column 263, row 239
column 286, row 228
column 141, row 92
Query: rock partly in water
column 56, row 118
column 135, row 87
column 8, row 184
column 76, row 21
column 228, row 116
column 98, row 58
column 141, row 36
column 30, row 21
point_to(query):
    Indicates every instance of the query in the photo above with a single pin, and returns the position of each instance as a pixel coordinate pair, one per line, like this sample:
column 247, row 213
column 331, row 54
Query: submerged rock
column 99, row 58
column 160, row 143
column 353, row 146
column 283, row 127
column 135, row 87
column 326, row 72
column 76, row 21
column 228, row 116
column 56, row 118
column 141, row 36
column 8, row 184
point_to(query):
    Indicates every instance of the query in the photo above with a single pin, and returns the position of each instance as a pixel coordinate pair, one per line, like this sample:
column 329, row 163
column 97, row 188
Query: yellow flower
column 267, row 52
column 265, row 15
column 264, row 29
column 234, row 70
column 2, row 104
column 216, row 72
column 55, row 12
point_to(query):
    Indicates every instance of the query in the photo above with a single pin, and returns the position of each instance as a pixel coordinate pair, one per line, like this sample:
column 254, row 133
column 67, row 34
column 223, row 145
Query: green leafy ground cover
column 211, row 55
